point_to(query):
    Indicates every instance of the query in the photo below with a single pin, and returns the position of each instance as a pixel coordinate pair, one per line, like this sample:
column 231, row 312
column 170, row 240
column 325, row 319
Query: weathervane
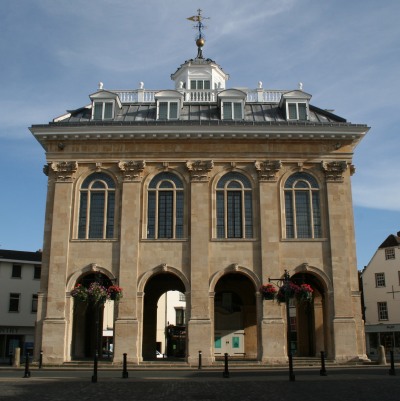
column 200, row 38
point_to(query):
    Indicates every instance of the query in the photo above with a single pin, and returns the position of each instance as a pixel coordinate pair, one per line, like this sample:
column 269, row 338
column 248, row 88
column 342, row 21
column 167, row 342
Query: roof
column 390, row 241
column 11, row 255
column 201, row 113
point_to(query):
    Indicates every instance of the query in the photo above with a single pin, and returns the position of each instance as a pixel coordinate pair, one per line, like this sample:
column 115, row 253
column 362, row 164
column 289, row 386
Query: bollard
column 94, row 377
column 199, row 359
column 41, row 359
column 381, row 355
column 27, row 371
column 125, row 370
column 17, row 357
column 226, row 371
column 392, row 372
column 322, row 372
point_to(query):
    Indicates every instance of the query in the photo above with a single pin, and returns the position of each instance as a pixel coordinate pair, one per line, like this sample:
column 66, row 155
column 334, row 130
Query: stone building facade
column 209, row 191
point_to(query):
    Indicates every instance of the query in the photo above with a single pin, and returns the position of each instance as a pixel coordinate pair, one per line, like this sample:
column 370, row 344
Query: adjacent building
column 19, row 285
column 209, row 191
column 381, row 293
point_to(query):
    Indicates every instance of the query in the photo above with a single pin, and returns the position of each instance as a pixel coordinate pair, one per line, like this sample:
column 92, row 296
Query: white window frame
column 168, row 109
column 197, row 84
column 232, row 103
column 103, row 108
column 390, row 253
column 297, row 118
column 383, row 313
column 380, row 280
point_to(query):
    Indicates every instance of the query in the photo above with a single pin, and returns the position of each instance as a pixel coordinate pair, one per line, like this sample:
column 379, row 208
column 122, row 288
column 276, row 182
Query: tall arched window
column 234, row 207
column 302, row 207
column 165, row 207
column 97, row 207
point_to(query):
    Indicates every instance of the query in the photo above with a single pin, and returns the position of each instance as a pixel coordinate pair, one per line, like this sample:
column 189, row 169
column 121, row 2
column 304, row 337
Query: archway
column 88, row 321
column 155, row 287
column 235, row 317
column 307, row 319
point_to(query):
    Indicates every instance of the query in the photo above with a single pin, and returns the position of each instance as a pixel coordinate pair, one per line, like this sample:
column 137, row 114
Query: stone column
column 126, row 323
column 54, row 325
column 199, row 328
column 273, row 333
column 342, row 247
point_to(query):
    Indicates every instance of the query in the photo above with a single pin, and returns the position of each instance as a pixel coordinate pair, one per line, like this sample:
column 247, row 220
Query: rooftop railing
column 199, row 96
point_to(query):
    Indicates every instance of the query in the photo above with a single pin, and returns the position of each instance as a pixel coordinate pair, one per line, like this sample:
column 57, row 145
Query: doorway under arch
column 307, row 319
column 155, row 287
column 235, row 317
column 88, row 321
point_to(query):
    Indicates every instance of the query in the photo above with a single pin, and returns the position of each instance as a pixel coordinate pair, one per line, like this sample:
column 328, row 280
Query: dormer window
column 103, row 110
column 232, row 111
column 169, row 104
column 200, row 84
column 297, row 111
column 232, row 103
column 104, row 105
column 167, row 110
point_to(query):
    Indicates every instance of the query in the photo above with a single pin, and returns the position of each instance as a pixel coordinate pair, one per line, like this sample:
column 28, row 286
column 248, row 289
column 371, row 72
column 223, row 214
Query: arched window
column 165, row 207
column 97, row 207
column 302, row 207
column 234, row 207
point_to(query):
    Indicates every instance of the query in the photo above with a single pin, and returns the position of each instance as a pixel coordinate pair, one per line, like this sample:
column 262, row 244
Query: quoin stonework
column 210, row 191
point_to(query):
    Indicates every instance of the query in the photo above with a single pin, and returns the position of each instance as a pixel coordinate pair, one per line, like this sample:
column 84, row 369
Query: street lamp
column 285, row 284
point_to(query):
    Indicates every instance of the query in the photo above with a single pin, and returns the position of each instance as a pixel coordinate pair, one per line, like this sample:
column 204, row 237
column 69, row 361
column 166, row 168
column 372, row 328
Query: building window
column 182, row 297
column 180, row 316
column 297, row 111
column 37, row 272
column 232, row 111
column 200, row 84
column 16, row 271
column 390, row 253
column 302, row 207
column 234, row 207
column 103, row 110
column 382, row 311
column 165, row 207
column 34, row 303
column 14, row 302
column 380, row 280
column 167, row 110
column 97, row 207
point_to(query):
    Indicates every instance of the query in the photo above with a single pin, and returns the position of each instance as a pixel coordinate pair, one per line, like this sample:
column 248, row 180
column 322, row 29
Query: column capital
column 334, row 170
column 132, row 170
column 63, row 171
column 199, row 169
column 268, row 170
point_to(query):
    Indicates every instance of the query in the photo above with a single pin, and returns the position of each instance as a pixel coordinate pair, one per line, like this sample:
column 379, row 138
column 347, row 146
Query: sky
column 53, row 54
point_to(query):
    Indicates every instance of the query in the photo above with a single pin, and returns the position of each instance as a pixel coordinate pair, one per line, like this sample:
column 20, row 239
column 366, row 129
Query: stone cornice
column 267, row 170
column 199, row 169
column 132, row 170
column 63, row 171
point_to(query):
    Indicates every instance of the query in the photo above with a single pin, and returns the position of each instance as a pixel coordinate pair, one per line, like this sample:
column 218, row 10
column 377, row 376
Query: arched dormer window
column 97, row 207
column 302, row 206
column 165, row 207
column 234, row 206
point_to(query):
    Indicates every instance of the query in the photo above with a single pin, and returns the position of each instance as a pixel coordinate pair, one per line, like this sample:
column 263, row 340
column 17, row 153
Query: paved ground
column 361, row 383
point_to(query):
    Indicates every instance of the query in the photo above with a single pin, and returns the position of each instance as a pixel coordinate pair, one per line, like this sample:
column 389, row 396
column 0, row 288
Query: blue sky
column 54, row 53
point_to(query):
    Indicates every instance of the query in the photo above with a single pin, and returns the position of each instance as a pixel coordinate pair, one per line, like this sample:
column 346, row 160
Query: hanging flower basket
column 114, row 293
column 304, row 293
column 288, row 290
column 268, row 291
column 96, row 293
column 80, row 293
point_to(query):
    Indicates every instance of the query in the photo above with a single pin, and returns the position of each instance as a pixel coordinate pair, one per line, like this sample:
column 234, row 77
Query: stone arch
column 163, row 268
column 234, row 268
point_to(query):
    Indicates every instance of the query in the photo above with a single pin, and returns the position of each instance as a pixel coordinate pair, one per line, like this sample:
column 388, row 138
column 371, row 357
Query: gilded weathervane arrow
column 200, row 38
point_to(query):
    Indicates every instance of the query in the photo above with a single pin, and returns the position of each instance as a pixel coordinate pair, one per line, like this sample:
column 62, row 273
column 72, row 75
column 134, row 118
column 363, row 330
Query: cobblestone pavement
column 366, row 384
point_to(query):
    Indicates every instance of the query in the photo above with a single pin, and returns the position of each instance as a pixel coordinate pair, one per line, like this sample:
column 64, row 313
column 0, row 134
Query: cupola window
column 200, row 84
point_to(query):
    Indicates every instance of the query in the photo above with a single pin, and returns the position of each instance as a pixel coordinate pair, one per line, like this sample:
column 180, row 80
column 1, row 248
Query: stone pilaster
column 199, row 323
column 273, row 333
column 61, row 177
column 126, row 323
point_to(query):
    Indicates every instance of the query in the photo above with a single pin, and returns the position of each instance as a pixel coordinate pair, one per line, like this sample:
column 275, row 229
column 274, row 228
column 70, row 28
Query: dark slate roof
column 390, row 241
column 201, row 113
column 20, row 255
